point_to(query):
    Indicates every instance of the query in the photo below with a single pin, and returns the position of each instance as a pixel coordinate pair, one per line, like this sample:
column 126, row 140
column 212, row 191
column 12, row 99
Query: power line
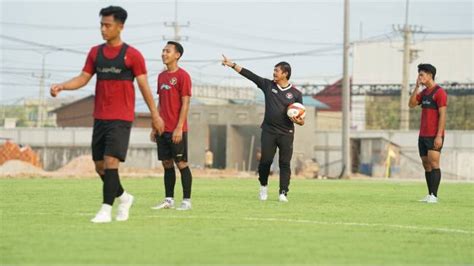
column 26, row 69
column 71, row 27
column 311, row 52
column 246, row 36
column 449, row 32
column 221, row 45
column 41, row 45
column 18, row 84
column 29, row 63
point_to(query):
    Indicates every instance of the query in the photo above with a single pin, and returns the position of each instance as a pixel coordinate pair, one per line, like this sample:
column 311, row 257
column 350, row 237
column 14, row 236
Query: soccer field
column 46, row 221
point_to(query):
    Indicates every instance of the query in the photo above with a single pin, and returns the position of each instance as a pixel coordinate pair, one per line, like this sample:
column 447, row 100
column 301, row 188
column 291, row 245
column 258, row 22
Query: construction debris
column 11, row 151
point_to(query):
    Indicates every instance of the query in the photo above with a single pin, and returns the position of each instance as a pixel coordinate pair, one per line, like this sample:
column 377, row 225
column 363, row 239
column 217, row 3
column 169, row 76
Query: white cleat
column 166, row 204
column 185, row 206
column 432, row 199
column 104, row 215
column 263, row 194
column 124, row 209
column 425, row 199
column 282, row 198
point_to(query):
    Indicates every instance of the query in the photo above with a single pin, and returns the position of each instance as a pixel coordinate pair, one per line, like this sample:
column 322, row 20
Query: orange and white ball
column 296, row 110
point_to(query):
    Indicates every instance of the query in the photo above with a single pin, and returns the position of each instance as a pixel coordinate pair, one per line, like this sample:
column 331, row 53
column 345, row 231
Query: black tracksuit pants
column 270, row 141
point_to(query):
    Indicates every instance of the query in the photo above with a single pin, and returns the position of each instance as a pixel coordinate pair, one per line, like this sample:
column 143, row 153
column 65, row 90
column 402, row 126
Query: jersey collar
column 284, row 89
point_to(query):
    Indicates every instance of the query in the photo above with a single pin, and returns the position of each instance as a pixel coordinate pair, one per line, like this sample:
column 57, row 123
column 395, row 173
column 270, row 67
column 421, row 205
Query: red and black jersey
column 116, row 67
column 431, row 100
column 172, row 86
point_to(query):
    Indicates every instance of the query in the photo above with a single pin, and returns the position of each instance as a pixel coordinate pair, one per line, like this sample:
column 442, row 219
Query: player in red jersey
column 116, row 65
column 433, row 100
column 174, row 91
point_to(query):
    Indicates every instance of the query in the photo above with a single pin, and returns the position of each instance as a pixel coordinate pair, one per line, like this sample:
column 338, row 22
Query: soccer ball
column 296, row 110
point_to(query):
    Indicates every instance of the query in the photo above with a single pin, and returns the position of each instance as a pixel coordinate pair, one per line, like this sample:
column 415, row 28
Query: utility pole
column 409, row 55
column 41, row 108
column 346, row 98
column 176, row 26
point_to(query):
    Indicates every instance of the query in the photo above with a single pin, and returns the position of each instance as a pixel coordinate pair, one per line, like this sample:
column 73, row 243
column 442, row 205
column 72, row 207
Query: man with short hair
column 174, row 93
column 116, row 65
column 277, row 128
column 433, row 100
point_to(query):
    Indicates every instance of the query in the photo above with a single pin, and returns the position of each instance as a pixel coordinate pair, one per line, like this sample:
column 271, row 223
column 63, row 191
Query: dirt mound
column 20, row 168
column 82, row 165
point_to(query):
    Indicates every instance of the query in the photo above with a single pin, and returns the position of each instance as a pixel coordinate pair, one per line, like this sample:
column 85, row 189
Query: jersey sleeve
column 89, row 66
column 158, row 85
column 299, row 97
column 138, row 64
column 262, row 83
column 441, row 98
column 418, row 98
column 185, row 86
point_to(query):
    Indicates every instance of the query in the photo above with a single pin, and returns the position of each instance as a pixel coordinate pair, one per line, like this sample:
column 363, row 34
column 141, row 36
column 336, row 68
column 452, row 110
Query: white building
column 381, row 62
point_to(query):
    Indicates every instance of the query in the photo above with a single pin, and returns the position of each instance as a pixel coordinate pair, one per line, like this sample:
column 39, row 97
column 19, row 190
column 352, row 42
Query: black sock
column 120, row 188
column 436, row 179
column 428, row 181
column 186, row 181
column 111, row 185
column 170, row 181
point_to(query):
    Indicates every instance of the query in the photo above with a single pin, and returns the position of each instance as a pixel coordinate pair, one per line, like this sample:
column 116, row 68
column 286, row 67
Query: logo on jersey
column 173, row 81
column 165, row 87
column 274, row 91
column 289, row 95
column 113, row 70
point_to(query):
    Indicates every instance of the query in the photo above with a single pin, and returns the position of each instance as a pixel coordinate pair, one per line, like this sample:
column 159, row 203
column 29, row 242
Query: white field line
column 286, row 220
column 398, row 226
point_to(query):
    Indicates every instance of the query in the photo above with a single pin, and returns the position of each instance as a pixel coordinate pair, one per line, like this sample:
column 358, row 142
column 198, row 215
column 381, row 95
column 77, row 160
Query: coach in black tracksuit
column 277, row 128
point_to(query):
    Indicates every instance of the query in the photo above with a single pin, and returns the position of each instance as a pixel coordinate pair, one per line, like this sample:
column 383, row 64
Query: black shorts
column 111, row 138
column 427, row 143
column 167, row 150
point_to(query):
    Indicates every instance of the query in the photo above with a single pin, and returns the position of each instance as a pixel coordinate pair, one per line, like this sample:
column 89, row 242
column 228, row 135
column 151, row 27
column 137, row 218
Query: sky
column 256, row 34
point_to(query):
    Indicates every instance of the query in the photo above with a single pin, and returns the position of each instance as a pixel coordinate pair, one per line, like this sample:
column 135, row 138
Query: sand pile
column 82, row 165
column 20, row 168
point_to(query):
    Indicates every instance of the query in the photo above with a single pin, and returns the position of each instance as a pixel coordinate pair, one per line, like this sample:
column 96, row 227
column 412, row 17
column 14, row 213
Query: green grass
column 326, row 222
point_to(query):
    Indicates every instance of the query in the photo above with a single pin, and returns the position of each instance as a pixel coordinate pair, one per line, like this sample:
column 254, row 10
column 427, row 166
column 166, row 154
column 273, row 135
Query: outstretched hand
column 226, row 61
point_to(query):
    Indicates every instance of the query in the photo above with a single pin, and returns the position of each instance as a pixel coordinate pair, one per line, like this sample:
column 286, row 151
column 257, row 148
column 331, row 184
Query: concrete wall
column 456, row 158
column 58, row 146
column 328, row 120
column 198, row 142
